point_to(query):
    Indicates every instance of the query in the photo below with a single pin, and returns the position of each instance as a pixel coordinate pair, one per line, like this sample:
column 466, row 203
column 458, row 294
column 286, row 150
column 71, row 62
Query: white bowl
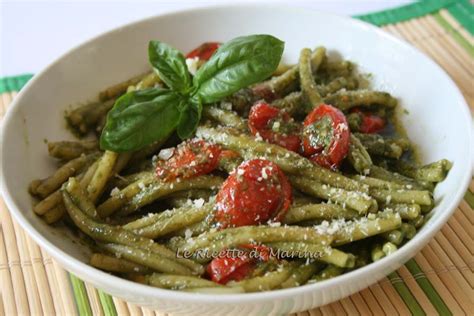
column 438, row 121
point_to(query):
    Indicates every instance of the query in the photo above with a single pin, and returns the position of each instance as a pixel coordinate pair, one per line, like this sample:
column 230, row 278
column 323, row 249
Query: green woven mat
column 463, row 12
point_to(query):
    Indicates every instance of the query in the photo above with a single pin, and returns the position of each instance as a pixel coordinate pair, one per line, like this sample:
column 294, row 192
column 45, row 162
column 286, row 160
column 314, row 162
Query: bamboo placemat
column 438, row 280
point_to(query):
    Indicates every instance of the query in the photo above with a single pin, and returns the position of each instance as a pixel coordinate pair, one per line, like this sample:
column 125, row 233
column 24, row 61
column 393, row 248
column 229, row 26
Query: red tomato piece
column 190, row 159
column 223, row 270
column 370, row 123
column 257, row 191
column 204, row 51
column 274, row 126
column 227, row 268
column 326, row 136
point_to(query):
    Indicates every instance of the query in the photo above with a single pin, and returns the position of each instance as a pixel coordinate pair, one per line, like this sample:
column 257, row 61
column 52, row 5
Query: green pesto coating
column 45, row 187
column 317, row 211
column 225, row 117
column 308, row 85
column 267, row 282
column 327, row 273
column 179, row 282
column 114, row 264
column 289, row 161
column 358, row 156
column 300, row 274
column 402, row 196
column 67, row 150
column 366, row 227
column 231, row 237
column 148, row 258
column 358, row 201
column 101, row 175
column 316, row 252
column 346, row 100
column 170, row 221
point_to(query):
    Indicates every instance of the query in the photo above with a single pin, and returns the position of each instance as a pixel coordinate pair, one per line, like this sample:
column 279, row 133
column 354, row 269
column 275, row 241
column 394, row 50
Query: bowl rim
column 107, row 280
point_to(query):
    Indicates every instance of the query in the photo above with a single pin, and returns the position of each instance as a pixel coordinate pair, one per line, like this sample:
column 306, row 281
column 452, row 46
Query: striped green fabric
column 463, row 12
column 15, row 83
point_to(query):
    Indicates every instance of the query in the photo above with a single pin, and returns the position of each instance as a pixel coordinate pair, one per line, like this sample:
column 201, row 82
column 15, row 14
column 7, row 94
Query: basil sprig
column 139, row 118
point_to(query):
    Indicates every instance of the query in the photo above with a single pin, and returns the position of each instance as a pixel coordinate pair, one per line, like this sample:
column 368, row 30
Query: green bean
column 433, row 172
column 358, row 201
column 345, row 100
column 67, row 150
column 355, row 121
column 300, row 275
column 314, row 251
column 289, row 161
column 184, row 198
column 215, row 241
column 148, row 81
column 148, row 259
column 382, row 146
column 383, row 174
column 327, row 273
column 169, row 221
column 377, row 253
column 193, row 230
column 388, row 248
column 378, row 183
column 101, row 175
column 286, row 82
column 364, row 227
column 395, row 236
column 85, row 118
column 266, row 282
column 402, row 196
column 120, row 88
column 119, row 199
column 55, row 214
column 114, row 264
column 139, row 155
column 418, row 222
column 408, row 230
column 317, row 211
column 52, row 207
column 158, row 189
column 49, row 185
column 308, row 85
column 339, row 83
column 358, row 156
column 225, row 117
column 406, row 211
column 294, row 102
column 110, row 234
column 216, row 290
column 179, row 282
column 337, row 68
column 48, row 203
column 80, row 197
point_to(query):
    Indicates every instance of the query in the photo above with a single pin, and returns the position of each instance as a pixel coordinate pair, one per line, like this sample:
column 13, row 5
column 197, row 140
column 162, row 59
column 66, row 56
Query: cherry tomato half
column 204, row 51
column 326, row 136
column 190, row 159
column 274, row 126
column 370, row 123
column 257, row 191
column 225, row 269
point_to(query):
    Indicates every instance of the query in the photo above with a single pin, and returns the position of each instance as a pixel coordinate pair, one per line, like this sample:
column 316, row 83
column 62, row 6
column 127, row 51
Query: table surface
column 35, row 33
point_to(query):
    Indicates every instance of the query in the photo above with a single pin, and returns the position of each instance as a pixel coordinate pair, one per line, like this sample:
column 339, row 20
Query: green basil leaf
column 170, row 65
column 139, row 118
column 238, row 64
column 189, row 119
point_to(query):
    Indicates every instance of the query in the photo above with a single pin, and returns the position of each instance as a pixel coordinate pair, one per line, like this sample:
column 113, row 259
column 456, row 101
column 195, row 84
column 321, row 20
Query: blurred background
column 34, row 33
